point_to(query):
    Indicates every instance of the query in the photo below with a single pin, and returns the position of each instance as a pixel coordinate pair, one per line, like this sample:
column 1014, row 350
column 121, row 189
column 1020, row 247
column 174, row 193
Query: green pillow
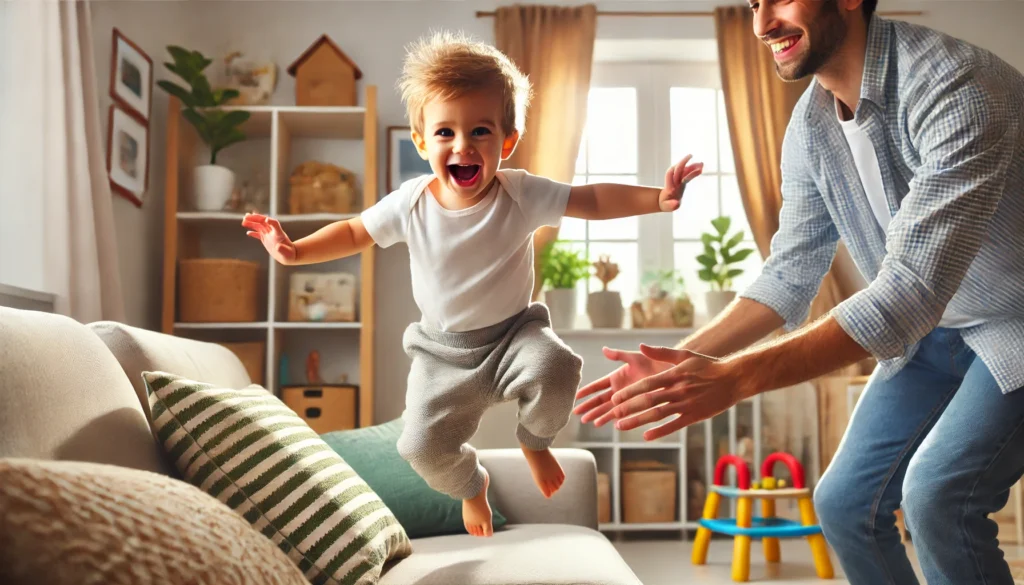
column 373, row 454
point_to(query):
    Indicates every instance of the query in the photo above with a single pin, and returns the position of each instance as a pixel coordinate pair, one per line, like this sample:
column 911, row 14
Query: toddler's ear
column 509, row 145
column 421, row 144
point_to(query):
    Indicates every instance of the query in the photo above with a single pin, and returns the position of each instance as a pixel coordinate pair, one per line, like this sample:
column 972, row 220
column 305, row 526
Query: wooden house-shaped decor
column 325, row 76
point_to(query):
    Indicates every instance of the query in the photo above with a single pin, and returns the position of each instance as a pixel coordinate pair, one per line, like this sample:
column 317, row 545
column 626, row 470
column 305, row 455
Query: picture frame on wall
column 131, row 77
column 127, row 155
column 404, row 161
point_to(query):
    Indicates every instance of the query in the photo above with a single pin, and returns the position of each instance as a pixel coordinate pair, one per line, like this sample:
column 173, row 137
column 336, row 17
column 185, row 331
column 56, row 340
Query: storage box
column 218, row 290
column 604, row 498
column 324, row 408
column 649, row 492
column 317, row 296
column 252, row 354
column 317, row 187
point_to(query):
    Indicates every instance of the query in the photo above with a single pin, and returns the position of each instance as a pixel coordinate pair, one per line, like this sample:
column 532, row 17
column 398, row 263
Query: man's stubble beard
column 824, row 38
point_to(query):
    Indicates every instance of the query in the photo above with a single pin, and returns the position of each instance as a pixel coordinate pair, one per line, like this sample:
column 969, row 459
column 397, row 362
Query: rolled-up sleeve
column 964, row 130
column 802, row 249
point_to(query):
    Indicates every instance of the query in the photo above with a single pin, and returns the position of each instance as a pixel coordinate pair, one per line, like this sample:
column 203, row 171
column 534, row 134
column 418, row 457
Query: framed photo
column 404, row 162
column 127, row 155
column 131, row 77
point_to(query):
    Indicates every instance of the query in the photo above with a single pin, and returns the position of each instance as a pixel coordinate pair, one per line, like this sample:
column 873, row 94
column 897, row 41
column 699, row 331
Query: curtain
column 54, row 157
column 554, row 47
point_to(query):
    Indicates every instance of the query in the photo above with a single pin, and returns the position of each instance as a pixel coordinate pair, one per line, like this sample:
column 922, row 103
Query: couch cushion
column 248, row 449
column 521, row 554
column 66, row 523
column 373, row 454
column 141, row 350
column 64, row 396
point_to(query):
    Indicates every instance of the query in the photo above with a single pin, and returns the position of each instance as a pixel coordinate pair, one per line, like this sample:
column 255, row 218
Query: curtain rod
column 491, row 14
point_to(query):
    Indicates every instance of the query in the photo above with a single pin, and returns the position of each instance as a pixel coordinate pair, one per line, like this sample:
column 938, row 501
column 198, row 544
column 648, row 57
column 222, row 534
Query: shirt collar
column 873, row 79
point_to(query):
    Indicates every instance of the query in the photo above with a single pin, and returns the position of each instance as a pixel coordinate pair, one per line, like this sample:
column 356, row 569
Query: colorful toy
column 769, row 528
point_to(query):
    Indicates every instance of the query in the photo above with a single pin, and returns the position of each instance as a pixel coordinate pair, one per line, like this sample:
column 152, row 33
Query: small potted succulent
column 218, row 128
column 604, row 307
column 666, row 304
column 717, row 264
column 561, row 270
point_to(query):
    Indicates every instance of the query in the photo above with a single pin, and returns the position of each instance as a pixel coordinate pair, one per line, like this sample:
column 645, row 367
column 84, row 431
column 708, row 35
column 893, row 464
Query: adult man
column 908, row 145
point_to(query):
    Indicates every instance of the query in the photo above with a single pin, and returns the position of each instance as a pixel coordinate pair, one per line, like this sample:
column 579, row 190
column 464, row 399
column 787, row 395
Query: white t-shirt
column 473, row 267
column 866, row 161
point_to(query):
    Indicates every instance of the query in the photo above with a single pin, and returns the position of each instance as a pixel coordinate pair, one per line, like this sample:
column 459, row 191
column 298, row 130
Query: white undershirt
column 866, row 161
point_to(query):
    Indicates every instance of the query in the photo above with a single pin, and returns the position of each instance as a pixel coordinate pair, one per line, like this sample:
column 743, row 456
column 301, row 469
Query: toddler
column 469, row 229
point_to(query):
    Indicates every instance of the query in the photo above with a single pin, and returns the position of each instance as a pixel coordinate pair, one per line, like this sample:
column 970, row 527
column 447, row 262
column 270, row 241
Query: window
column 641, row 118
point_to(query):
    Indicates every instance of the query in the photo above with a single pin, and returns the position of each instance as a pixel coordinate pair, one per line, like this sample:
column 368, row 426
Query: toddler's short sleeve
column 542, row 200
column 387, row 220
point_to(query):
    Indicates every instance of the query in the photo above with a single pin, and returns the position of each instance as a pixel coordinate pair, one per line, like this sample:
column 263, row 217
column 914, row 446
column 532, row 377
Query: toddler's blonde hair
column 447, row 65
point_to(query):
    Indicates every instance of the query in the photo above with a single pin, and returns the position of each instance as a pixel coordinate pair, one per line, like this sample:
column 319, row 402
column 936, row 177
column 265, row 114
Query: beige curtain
column 554, row 46
column 758, row 106
column 54, row 169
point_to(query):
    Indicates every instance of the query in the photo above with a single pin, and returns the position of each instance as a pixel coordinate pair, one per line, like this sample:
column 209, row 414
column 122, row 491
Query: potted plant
column 213, row 183
column 666, row 303
column 717, row 262
column 561, row 269
column 604, row 307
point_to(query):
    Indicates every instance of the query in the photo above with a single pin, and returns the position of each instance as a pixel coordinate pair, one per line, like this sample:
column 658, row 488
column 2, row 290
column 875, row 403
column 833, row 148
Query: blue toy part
column 761, row 528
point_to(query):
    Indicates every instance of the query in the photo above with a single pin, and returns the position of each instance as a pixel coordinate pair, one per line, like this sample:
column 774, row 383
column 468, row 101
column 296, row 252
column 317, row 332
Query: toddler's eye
column 481, row 131
column 447, row 132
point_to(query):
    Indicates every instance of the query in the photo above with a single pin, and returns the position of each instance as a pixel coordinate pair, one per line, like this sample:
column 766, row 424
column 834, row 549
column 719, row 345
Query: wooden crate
column 604, row 498
column 648, row 492
column 218, row 290
column 324, row 408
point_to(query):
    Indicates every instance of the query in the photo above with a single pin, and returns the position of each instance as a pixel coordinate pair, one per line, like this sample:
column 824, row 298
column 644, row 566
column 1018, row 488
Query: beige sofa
column 70, row 391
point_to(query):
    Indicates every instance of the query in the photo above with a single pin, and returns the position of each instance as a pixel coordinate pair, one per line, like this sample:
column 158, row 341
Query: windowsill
column 23, row 298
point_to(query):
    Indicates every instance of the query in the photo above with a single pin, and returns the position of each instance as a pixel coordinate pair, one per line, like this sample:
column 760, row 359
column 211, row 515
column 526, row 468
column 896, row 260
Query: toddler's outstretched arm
column 336, row 240
column 612, row 200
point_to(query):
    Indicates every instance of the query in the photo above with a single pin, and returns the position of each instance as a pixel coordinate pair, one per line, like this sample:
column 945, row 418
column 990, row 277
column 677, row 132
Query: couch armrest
column 515, row 495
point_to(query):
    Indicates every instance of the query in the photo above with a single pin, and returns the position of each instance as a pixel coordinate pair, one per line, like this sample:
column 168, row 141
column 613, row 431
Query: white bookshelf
column 279, row 138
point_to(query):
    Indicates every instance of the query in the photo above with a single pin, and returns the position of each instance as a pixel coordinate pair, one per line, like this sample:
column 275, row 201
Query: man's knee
column 928, row 496
column 836, row 504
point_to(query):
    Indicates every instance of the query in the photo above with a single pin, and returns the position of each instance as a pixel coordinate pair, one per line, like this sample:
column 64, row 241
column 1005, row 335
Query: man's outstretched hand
column 696, row 388
column 268, row 231
column 636, row 366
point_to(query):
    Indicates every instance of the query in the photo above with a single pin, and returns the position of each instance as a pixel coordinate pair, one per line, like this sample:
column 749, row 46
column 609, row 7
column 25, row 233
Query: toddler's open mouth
column 464, row 175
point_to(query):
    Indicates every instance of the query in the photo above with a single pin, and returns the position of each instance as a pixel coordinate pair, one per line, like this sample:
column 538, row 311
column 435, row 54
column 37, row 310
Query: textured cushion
column 69, row 523
column 141, row 350
column 248, row 449
column 522, row 554
column 63, row 396
column 373, row 454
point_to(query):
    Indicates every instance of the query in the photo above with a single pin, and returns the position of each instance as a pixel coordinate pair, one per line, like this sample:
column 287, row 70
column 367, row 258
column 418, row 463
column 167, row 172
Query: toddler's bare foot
column 476, row 513
column 547, row 472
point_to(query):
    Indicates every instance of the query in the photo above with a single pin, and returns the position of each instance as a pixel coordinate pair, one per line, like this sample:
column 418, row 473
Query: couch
column 74, row 392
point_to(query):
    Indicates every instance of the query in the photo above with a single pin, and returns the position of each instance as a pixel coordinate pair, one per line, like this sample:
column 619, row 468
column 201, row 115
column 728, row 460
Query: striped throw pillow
column 249, row 450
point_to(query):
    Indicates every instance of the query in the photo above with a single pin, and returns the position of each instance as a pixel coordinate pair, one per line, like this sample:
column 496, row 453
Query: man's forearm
column 799, row 356
column 741, row 324
column 612, row 200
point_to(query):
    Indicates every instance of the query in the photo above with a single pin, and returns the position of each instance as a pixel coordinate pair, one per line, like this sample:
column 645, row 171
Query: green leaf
column 706, row 275
column 707, row 260
column 177, row 91
column 202, row 92
column 737, row 238
column 707, row 239
column 733, row 273
column 721, row 224
column 741, row 255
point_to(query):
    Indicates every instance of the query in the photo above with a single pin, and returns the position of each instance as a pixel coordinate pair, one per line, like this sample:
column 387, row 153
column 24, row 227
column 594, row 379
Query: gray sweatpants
column 455, row 377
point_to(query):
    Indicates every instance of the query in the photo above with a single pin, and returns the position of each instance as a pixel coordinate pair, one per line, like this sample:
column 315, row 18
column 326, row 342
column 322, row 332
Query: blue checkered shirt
column 947, row 125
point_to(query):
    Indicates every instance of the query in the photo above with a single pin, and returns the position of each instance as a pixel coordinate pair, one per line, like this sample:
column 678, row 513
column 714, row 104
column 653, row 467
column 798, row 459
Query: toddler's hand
column 676, row 178
column 268, row 231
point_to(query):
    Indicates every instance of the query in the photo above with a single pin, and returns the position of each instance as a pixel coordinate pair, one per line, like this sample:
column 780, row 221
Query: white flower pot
column 605, row 309
column 561, row 304
column 213, row 185
column 717, row 300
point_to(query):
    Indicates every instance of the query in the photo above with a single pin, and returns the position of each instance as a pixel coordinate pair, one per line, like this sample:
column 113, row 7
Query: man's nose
column 764, row 20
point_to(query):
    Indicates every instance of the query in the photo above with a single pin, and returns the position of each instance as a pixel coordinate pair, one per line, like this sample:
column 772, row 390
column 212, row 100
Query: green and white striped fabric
column 248, row 449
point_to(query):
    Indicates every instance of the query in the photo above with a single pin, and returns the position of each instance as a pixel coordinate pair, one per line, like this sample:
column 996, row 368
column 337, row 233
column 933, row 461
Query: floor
column 667, row 562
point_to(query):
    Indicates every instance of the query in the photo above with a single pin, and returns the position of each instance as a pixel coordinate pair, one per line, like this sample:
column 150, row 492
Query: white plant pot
column 604, row 307
column 213, row 185
column 717, row 300
column 561, row 304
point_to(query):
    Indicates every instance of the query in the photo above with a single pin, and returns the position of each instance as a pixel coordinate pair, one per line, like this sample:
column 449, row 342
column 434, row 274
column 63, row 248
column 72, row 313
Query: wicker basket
column 218, row 290
column 648, row 492
column 252, row 355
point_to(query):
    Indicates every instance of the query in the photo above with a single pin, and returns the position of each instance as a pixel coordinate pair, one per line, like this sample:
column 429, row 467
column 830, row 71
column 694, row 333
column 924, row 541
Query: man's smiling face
column 802, row 34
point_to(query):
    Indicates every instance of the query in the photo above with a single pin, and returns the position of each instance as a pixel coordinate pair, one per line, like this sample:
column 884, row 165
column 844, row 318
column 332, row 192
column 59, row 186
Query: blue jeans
column 940, row 441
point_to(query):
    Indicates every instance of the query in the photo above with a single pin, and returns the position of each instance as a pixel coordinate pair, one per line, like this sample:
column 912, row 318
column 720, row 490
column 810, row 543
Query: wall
column 282, row 30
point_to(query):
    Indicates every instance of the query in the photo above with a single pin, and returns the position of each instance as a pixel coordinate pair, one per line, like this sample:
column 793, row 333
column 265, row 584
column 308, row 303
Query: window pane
column 623, row 228
column 724, row 144
column 612, row 133
column 732, row 205
column 572, row 228
column 697, row 208
column 686, row 262
column 627, row 256
column 692, row 111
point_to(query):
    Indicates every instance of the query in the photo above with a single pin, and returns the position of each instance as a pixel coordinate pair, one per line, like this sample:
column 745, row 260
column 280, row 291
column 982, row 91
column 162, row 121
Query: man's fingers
column 659, row 380
column 646, row 408
column 597, row 413
column 679, row 422
column 595, row 386
column 663, row 354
